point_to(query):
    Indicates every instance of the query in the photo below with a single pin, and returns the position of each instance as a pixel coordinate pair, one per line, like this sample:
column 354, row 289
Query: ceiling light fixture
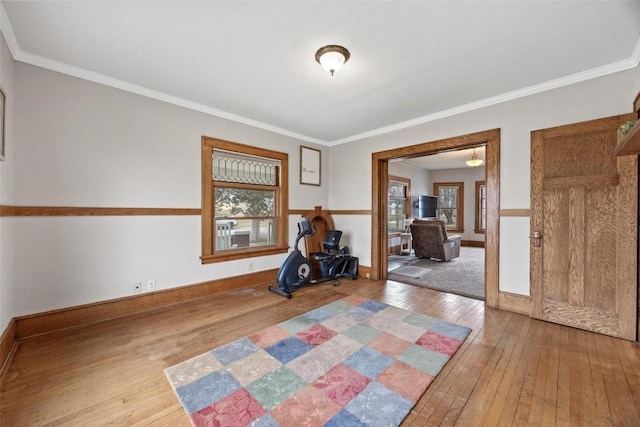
column 475, row 161
column 332, row 57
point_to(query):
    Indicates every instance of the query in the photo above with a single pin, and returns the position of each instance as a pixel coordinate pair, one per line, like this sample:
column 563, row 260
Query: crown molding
column 635, row 55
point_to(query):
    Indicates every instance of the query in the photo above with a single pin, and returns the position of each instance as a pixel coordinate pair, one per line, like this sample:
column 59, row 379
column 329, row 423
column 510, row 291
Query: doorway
column 442, row 187
column 379, row 220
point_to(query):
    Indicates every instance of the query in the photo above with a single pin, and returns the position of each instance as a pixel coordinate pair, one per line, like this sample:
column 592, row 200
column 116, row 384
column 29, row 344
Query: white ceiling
column 253, row 61
column 445, row 160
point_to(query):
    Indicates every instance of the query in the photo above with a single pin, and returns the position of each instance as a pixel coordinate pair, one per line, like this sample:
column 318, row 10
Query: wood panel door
column 584, row 228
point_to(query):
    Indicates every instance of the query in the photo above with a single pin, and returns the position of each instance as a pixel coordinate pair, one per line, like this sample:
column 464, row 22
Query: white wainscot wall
column 356, row 233
column 68, row 261
column 514, row 255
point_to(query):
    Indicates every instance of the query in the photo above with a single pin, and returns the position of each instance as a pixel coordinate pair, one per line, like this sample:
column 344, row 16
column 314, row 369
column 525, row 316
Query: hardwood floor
column 511, row 370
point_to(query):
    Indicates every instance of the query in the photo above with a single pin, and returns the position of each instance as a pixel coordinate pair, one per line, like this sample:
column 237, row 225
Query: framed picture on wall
column 310, row 163
column 2, row 116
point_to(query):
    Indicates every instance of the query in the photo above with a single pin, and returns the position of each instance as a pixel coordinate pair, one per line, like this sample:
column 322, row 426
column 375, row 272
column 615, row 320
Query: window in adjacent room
column 481, row 207
column 398, row 203
column 451, row 204
column 244, row 201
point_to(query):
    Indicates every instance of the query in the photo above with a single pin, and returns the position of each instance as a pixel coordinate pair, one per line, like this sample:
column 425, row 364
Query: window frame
column 209, row 254
column 480, row 212
column 406, row 182
column 458, row 227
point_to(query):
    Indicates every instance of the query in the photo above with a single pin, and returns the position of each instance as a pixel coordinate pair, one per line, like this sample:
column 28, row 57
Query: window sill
column 242, row 254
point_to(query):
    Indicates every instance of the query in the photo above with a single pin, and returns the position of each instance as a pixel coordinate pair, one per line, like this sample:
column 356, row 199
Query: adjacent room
column 448, row 187
column 288, row 213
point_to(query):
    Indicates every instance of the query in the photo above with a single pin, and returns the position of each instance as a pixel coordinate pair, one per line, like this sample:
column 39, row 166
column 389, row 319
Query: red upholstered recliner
column 430, row 240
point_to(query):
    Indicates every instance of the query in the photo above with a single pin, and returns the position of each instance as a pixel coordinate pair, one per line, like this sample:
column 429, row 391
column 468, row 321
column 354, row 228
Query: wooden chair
column 322, row 222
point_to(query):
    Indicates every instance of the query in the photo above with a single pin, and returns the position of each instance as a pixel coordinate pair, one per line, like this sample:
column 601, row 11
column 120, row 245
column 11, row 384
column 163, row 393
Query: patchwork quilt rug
column 354, row 362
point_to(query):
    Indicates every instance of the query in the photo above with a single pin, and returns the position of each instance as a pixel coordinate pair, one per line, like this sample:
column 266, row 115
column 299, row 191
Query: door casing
column 379, row 184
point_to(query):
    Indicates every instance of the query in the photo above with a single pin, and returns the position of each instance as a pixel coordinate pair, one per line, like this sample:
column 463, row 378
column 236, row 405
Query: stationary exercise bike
column 295, row 271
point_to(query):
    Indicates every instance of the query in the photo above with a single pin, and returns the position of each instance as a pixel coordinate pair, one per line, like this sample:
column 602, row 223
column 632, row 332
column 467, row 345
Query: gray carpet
column 462, row 276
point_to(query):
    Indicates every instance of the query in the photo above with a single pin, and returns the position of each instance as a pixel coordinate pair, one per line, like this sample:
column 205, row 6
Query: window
column 399, row 203
column 451, row 204
column 481, row 207
column 244, row 201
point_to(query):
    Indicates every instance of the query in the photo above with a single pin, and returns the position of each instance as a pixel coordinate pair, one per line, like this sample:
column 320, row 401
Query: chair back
column 332, row 241
column 429, row 239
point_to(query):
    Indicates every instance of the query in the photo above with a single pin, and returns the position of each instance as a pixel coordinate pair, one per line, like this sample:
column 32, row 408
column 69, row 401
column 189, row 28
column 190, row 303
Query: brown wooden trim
column 514, row 302
column 627, row 248
column 350, row 212
column 8, row 345
column 242, row 253
column 628, row 145
column 71, row 317
column 472, row 243
column 6, row 210
column 535, row 224
column 364, row 271
column 206, row 199
column 478, row 206
column 492, row 234
column 305, row 212
column 379, row 217
column 636, row 103
column 515, row 212
column 591, row 181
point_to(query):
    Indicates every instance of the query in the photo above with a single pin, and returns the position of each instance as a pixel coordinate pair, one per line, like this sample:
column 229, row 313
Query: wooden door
column 584, row 207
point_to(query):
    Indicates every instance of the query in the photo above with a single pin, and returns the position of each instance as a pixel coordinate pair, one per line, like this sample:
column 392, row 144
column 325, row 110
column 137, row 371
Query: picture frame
column 310, row 166
column 2, row 123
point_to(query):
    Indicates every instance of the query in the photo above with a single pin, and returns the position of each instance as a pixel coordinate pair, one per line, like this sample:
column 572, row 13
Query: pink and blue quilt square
column 288, row 349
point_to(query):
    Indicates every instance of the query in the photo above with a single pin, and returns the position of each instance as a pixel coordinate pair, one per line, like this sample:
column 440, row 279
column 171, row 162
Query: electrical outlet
column 250, row 266
column 137, row 287
column 151, row 285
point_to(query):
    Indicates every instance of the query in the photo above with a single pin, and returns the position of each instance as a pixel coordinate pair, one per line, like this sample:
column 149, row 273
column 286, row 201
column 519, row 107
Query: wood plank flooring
column 511, row 370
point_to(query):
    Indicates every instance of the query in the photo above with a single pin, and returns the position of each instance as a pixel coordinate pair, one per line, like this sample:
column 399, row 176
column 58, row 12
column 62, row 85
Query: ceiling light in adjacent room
column 475, row 161
column 332, row 57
